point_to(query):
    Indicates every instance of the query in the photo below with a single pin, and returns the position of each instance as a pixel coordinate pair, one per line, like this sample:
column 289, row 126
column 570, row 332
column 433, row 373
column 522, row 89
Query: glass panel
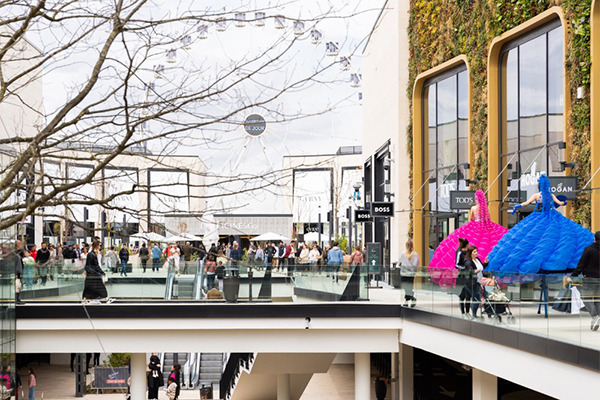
column 463, row 117
column 555, row 85
column 447, row 122
column 532, row 93
column 432, row 124
column 431, row 177
column 532, row 163
column 512, row 105
column 446, row 183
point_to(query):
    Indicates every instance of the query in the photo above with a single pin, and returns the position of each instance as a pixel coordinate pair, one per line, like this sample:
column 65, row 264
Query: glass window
column 532, row 93
column 447, row 138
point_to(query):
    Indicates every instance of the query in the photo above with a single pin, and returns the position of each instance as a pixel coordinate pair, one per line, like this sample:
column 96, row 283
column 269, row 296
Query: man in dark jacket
column 144, row 255
column 42, row 258
column 124, row 256
column 589, row 266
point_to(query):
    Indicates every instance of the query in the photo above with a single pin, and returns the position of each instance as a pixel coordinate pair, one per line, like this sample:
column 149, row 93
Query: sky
column 231, row 153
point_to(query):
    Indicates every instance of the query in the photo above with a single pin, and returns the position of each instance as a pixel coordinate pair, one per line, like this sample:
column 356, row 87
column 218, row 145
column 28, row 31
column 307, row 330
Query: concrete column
column 283, row 387
column 485, row 386
column 394, row 385
column 405, row 373
column 138, row 376
column 362, row 376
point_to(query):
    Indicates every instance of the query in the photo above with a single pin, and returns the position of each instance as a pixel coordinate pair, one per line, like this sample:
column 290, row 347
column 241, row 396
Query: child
column 172, row 389
column 488, row 279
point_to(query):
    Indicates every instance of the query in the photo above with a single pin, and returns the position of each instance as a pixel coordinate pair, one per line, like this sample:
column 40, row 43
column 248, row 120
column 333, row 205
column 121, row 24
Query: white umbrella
column 175, row 238
column 312, row 236
column 155, row 237
column 270, row 236
column 191, row 237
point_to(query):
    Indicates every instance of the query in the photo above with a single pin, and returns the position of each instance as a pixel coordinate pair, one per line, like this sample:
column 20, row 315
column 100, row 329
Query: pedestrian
column 314, row 255
column 357, row 257
column 42, row 257
column 28, row 270
column 94, row 288
column 18, row 385
column 221, row 264
column 280, row 259
column 155, row 377
column 252, row 249
column 270, row 254
column 409, row 262
column 33, row 251
column 111, row 258
column 589, row 266
column 235, row 255
column 188, row 250
column 4, row 390
column 17, row 259
column 176, row 374
column 210, row 266
column 335, row 258
column 464, row 297
column 304, row 253
column 32, row 384
column 156, row 254
column 96, row 359
column 475, row 267
column 214, row 293
column 171, row 391
column 144, row 256
column 124, row 257
column 259, row 257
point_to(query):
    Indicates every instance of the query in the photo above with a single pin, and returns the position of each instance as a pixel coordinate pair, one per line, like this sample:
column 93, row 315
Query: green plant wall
column 442, row 29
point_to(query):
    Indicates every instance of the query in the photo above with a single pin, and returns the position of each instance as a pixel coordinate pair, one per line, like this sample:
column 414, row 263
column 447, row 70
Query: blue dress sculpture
column 543, row 242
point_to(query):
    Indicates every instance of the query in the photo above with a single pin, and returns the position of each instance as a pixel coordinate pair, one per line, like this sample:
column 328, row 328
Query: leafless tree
column 122, row 97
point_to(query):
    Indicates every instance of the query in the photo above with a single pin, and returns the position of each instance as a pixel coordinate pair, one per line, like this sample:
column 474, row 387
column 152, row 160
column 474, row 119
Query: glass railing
column 538, row 304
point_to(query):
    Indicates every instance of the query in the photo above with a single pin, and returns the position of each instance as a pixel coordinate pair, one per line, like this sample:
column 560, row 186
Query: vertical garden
column 442, row 29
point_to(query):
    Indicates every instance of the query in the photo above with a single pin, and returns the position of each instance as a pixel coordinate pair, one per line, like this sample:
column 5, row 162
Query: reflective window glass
column 447, row 129
column 555, row 86
column 532, row 93
column 463, row 117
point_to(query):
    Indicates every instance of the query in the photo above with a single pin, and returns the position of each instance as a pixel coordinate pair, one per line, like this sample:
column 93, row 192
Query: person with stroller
column 474, row 266
column 589, row 266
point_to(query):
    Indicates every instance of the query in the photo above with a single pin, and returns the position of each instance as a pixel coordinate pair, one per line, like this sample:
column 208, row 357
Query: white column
column 138, row 376
column 485, row 386
column 362, row 376
column 395, row 384
column 405, row 373
column 283, row 387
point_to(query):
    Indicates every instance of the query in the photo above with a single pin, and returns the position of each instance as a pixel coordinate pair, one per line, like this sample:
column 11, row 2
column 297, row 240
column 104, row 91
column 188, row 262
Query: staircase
column 211, row 369
column 183, row 288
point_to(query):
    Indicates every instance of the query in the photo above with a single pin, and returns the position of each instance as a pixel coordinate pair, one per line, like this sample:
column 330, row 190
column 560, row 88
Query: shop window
column 532, row 109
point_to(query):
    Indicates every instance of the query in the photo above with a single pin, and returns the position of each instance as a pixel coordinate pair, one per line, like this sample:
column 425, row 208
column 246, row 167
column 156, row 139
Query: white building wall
column 386, row 107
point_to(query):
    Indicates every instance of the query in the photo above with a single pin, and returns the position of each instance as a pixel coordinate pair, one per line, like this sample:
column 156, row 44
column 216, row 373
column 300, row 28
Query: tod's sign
column 462, row 199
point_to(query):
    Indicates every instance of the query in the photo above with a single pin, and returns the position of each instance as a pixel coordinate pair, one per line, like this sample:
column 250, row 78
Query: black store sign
column 313, row 227
column 362, row 216
column 462, row 199
column 382, row 209
column 564, row 185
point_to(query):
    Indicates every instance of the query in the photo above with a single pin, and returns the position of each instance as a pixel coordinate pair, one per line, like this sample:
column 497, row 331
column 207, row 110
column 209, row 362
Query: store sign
column 255, row 125
column 313, row 227
column 382, row 209
column 516, row 196
column 362, row 216
column 374, row 257
column 111, row 378
column 564, row 185
column 462, row 199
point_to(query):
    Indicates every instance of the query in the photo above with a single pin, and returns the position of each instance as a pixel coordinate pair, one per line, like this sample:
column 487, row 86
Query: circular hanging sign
column 255, row 125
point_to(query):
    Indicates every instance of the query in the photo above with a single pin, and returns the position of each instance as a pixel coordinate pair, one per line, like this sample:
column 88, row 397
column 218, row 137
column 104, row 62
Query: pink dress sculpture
column 481, row 233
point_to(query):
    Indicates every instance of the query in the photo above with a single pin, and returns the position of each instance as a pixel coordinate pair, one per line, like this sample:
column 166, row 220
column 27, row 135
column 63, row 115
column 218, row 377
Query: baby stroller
column 496, row 304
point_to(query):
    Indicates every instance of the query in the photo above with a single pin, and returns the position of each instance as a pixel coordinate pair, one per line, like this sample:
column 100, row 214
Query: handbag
column 562, row 302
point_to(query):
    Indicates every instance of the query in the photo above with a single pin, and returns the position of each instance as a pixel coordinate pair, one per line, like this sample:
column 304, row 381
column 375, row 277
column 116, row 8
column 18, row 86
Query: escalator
column 196, row 368
column 184, row 286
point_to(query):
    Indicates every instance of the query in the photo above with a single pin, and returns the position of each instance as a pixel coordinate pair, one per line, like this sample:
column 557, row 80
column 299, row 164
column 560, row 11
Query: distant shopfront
column 230, row 227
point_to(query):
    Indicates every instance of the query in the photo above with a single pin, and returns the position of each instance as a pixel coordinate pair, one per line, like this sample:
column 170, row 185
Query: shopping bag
column 576, row 302
column 562, row 302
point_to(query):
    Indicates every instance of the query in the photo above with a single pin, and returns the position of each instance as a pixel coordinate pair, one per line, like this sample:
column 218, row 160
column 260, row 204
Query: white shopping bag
column 576, row 302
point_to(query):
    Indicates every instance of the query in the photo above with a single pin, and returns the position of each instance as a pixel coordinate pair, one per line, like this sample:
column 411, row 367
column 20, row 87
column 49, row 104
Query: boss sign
column 382, row 209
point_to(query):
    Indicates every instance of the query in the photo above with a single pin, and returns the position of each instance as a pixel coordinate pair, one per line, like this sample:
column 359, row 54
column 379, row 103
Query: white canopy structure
column 270, row 236
column 313, row 237
column 149, row 236
column 191, row 237
column 175, row 238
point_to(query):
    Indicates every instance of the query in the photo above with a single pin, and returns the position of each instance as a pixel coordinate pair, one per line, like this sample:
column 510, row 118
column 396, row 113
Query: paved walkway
column 57, row 382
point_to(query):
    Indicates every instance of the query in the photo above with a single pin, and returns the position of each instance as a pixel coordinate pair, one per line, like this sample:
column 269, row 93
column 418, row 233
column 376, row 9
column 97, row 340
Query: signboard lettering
column 462, row 199
column 382, row 209
column 362, row 216
column 564, row 185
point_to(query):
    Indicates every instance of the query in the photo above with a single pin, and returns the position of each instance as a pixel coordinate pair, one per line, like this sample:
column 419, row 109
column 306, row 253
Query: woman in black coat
column 459, row 262
column 94, row 287
column 474, row 266
column 155, row 377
